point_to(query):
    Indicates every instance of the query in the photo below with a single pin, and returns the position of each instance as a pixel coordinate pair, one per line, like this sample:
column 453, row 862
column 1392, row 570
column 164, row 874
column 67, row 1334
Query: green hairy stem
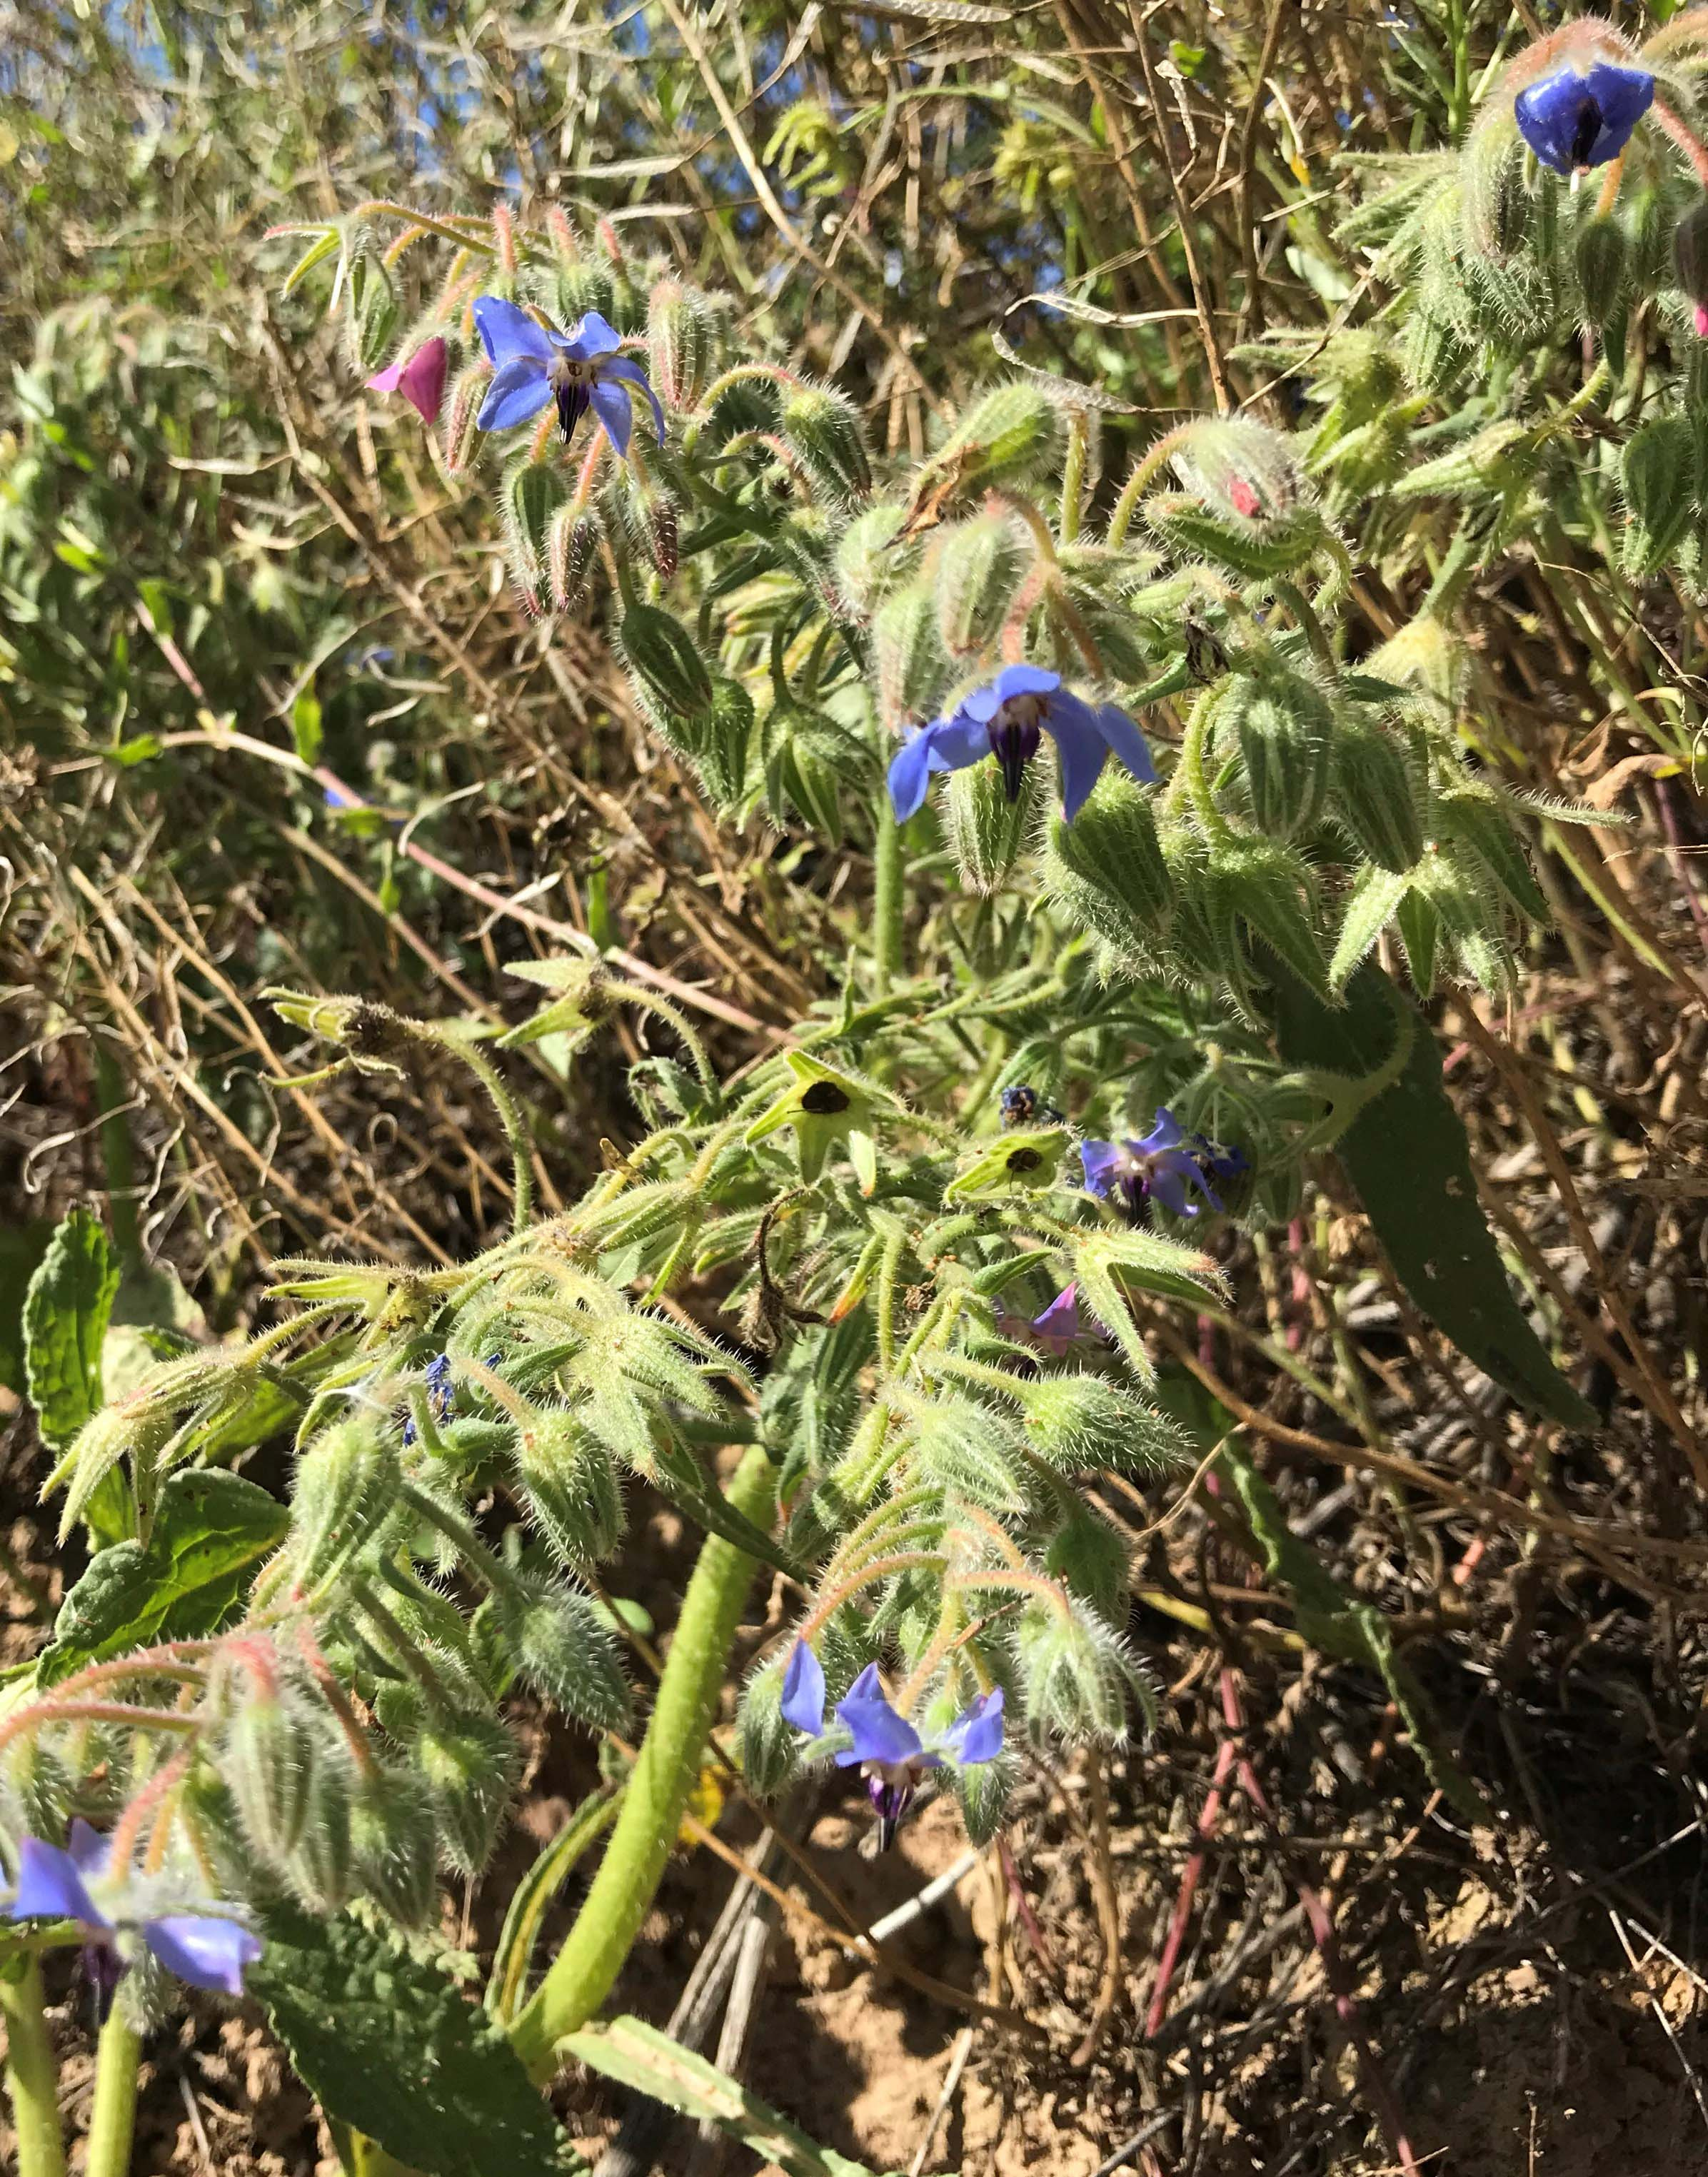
column 32, row 2077
column 663, row 1775
column 112, row 2120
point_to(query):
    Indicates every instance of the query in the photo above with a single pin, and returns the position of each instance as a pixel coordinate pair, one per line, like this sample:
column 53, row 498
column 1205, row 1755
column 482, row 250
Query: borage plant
column 1138, row 830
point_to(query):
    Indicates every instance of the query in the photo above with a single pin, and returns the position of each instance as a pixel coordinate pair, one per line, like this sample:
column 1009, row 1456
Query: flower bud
column 722, row 733
column 1267, row 886
column 1075, row 1675
column 345, row 1481
column 469, row 1764
column 1242, row 471
column 565, row 1650
column 824, row 428
column 870, row 564
column 1093, row 1560
column 371, row 313
column 1107, row 866
column 1690, row 253
column 392, row 1844
column 462, row 406
column 810, row 761
column 1284, row 730
column 1075, row 1421
column 678, row 343
column 323, row 1867
column 979, row 567
column 117, row 1435
column 1601, row 256
column 767, row 1743
column 911, row 668
column 1252, row 548
column 1658, row 474
column 1012, row 434
column 572, row 544
column 269, row 1762
column 580, row 287
column 570, row 1489
column 529, row 496
column 986, row 832
column 1376, row 795
column 664, row 659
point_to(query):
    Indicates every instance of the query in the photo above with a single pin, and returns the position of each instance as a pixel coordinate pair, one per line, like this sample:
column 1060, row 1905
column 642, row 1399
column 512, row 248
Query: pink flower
column 419, row 378
column 1245, row 498
column 1699, row 316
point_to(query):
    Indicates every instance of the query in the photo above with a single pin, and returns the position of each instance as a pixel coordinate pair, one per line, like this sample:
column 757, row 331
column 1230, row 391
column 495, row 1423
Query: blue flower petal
column 506, row 332
column 616, row 412
column 803, row 1691
column 879, row 1734
column 206, row 1952
column 50, row 1887
column 1102, row 1163
column 1126, row 740
column 590, row 337
column 1025, row 680
column 976, row 1734
column 945, row 744
column 1167, row 1185
column 1573, row 119
column 1073, row 725
column 1167, row 1133
column 625, row 367
column 519, row 390
column 90, row 1850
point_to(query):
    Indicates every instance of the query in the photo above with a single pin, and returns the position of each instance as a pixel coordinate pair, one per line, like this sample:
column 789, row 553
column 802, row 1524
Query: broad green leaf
column 65, row 1317
column 640, row 2056
column 208, row 1527
column 1341, row 1625
column 507, row 1987
column 21, row 1249
column 391, row 2048
column 1407, row 1155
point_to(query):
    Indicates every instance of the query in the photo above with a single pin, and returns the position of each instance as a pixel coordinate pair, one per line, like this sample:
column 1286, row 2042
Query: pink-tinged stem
column 1190, row 1879
column 1682, row 137
column 1373, row 2078
column 1301, row 1285
column 1681, row 867
column 1023, row 1907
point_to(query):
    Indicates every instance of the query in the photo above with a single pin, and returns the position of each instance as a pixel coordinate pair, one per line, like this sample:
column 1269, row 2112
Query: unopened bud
column 911, row 668
column 1658, row 473
column 810, row 764
column 1284, row 730
column 1268, row 886
column 678, row 343
column 722, row 736
column 462, row 406
column 1007, row 438
column 986, row 832
column 663, row 658
column 570, row 1489
column 371, row 314
column 572, row 544
column 323, row 1866
column 1690, row 253
column 870, row 564
column 1107, row 865
column 469, row 1764
column 1075, row 1420
column 268, row 1761
column 346, row 1480
column 1601, row 256
column 580, row 287
column 565, row 1650
column 979, row 567
column 768, row 1744
column 1376, row 795
column 1093, row 1560
column 392, row 1844
column 824, row 428
column 1075, row 1674
column 530, row 494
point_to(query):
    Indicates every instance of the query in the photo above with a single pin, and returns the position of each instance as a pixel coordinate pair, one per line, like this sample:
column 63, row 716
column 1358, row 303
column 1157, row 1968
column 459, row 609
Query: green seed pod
column 468, row 388
column 1012, row 434
column 1285, row 728
column 721, row 734
column 825, row 429
column 678, row 343
column 986, row 832
column 1269, row 888
column 979, row 567
column 469, row 1763
column 392, row 1844
column 869, row 564
column 323, row 1867
column 1375, row 794
column 570, row 1489
column 1601, row 255
column 530, row 494
column 663, row 658
column 769, row 1756
column 1107, row 864
column 911, row 667
column 1658, row 474
column 572, row 544
column 565, row 1650
column 268, row 1761
column 345, row 1484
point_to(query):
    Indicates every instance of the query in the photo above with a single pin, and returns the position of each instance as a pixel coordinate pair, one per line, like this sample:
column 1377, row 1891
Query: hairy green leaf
column 65, row 1317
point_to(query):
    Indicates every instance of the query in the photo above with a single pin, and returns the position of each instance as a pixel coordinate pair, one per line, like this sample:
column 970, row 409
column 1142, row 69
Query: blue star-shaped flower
column 581, row 369
column 208, row 1950
column 1576, row 118
column 1163, row 1163
column 884, row 1746
column 1004, row 720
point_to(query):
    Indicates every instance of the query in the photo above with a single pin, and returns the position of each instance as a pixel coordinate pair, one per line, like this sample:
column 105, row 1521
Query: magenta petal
column 389, row 379
column 422, row 383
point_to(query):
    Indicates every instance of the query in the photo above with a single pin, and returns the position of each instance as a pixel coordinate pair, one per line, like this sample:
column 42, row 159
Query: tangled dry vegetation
column 203, row 544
